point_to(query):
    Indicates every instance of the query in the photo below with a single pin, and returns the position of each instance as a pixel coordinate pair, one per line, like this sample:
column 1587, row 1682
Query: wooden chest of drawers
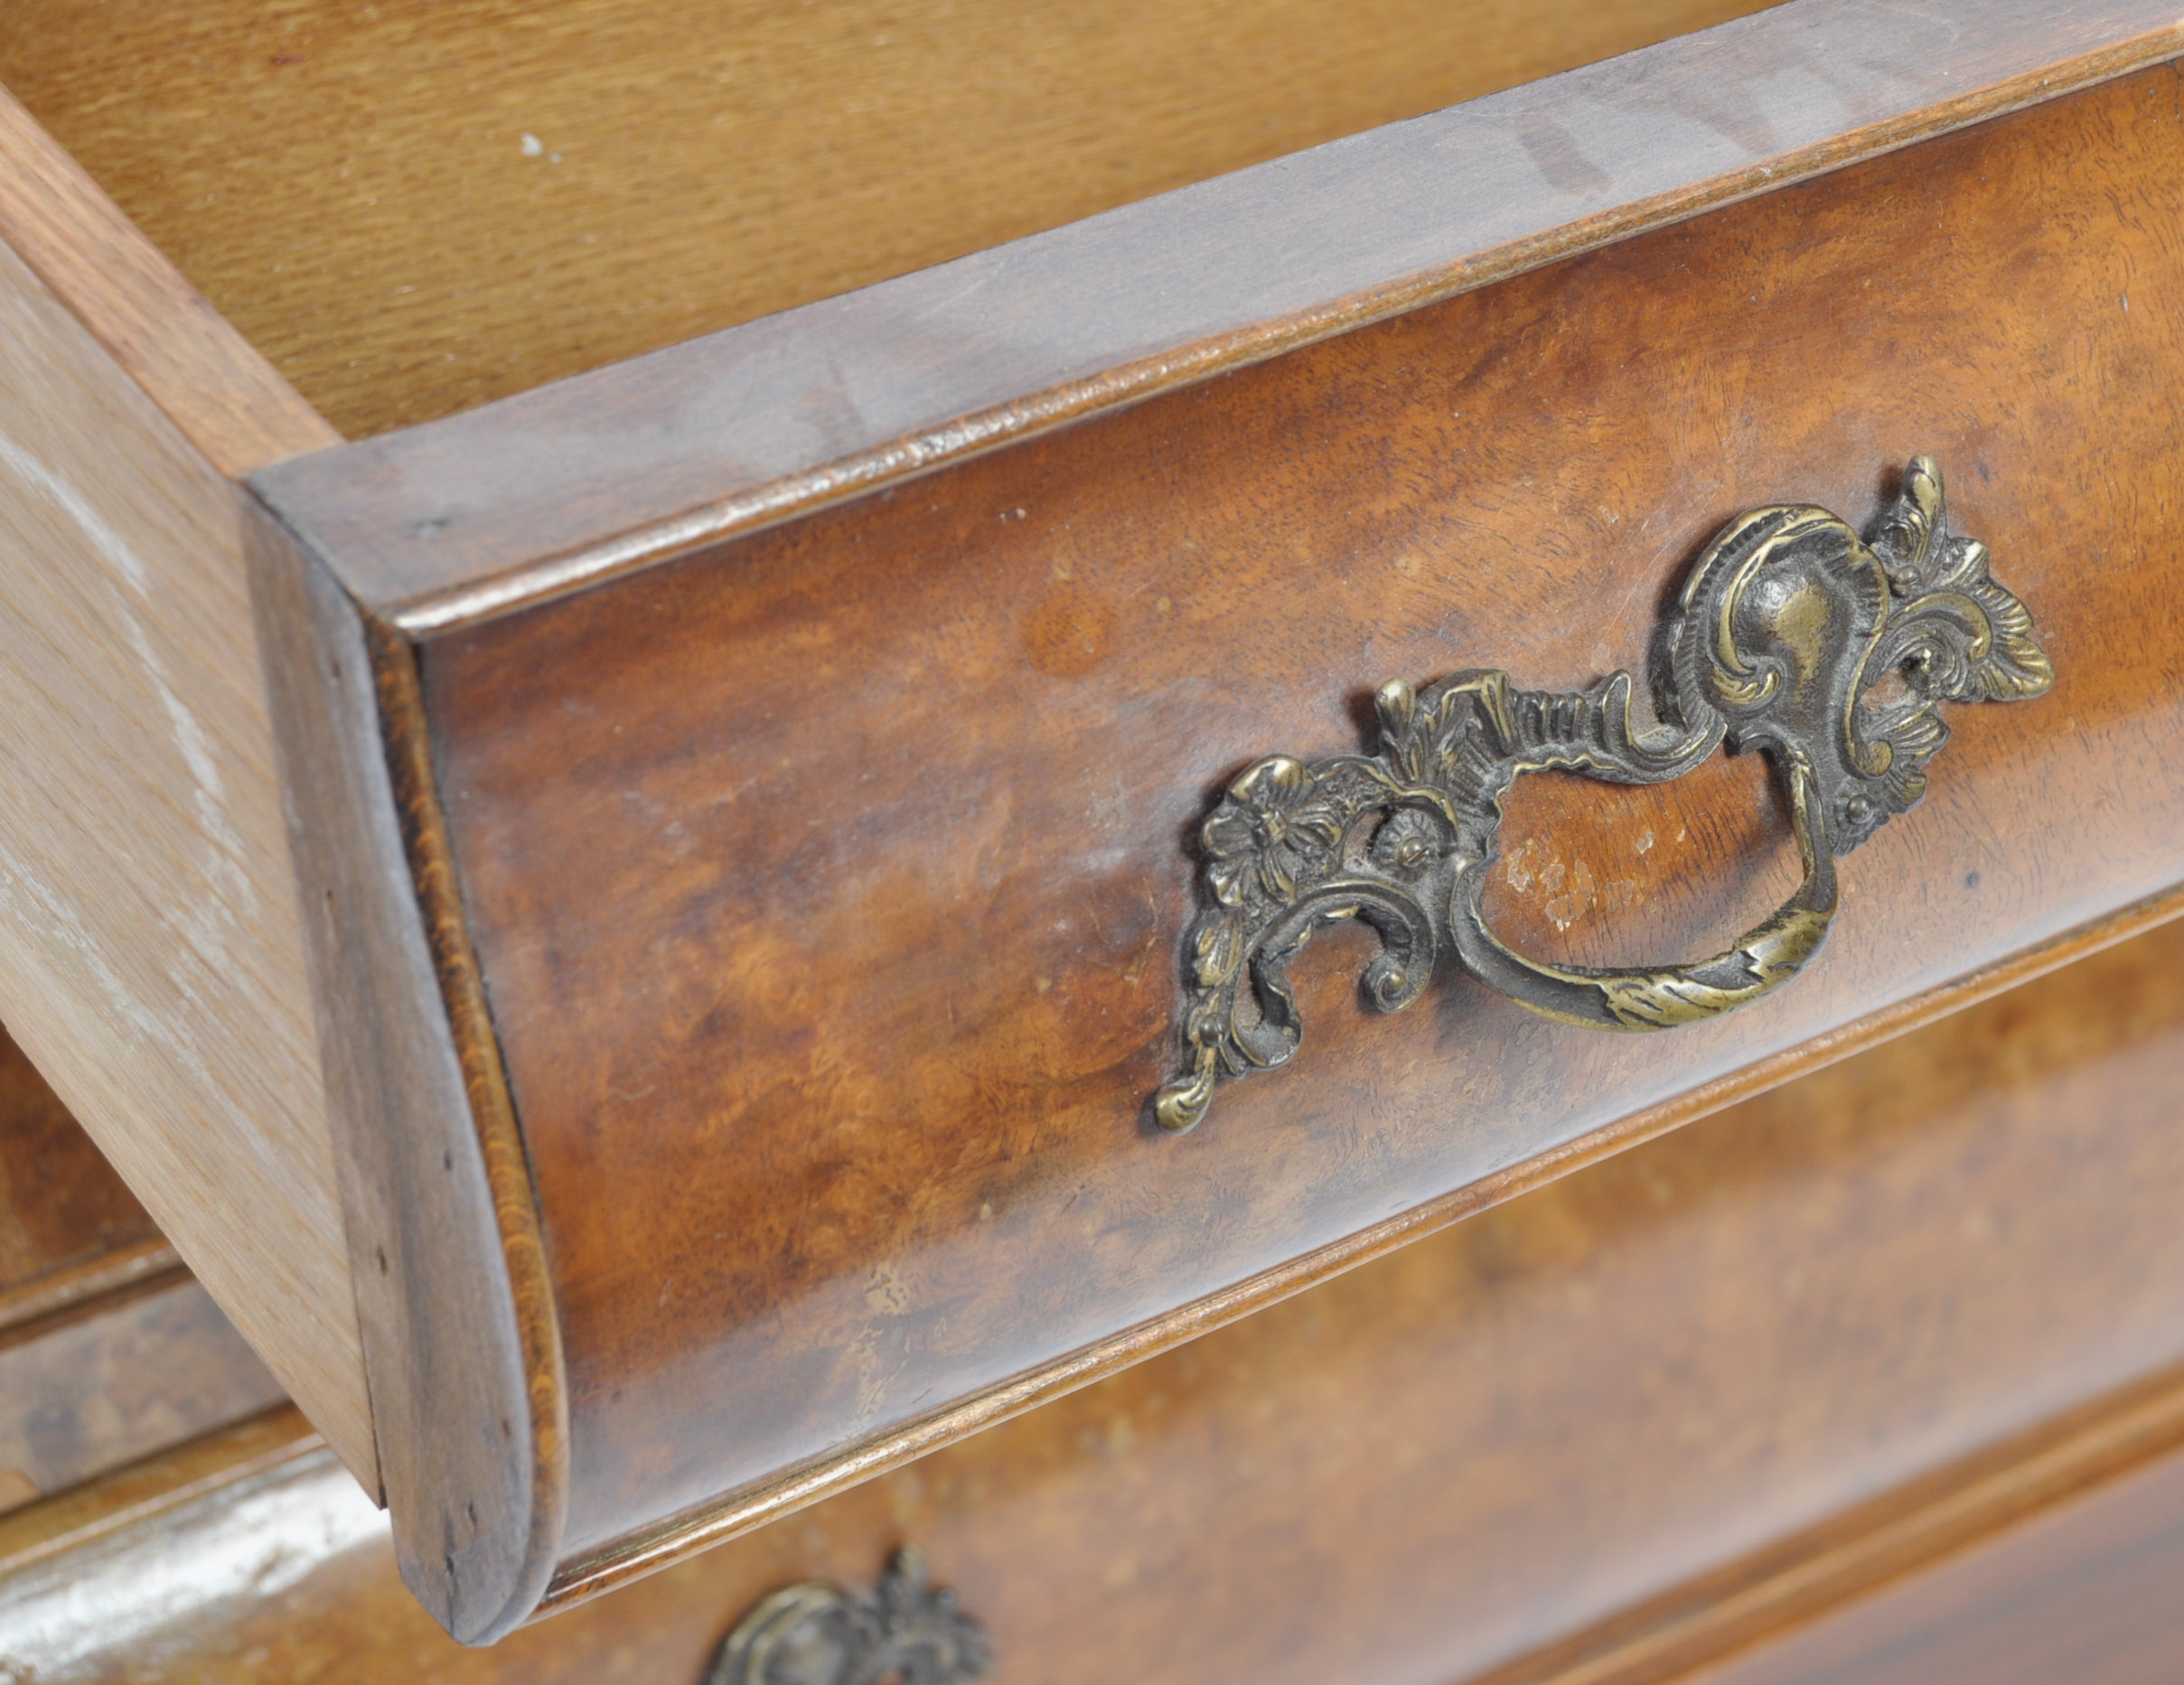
column 680, row 938
column 1877, row 1370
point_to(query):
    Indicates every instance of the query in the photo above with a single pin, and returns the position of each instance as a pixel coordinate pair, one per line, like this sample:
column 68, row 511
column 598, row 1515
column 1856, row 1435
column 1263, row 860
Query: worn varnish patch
column 1603, row 875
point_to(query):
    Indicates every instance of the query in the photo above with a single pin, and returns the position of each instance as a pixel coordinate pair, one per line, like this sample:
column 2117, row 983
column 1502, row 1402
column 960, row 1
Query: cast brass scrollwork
column 813, row 1634
column 1794, row 635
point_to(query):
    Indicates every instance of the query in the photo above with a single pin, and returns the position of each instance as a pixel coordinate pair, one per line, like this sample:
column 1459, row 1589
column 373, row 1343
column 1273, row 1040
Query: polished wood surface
column 827, row 885
column 1504, row 1435
column 1907, row 1533
column 154, row 964
column 1656, row 1410
column 572, row 484
column 355, row 190
column 828, row 1403
column 812, row 798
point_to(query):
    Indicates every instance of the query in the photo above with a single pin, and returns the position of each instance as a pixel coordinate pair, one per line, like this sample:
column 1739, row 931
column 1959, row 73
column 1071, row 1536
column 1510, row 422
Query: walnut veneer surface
column 853, row 854
column 817, row 891
column 1476, row 1456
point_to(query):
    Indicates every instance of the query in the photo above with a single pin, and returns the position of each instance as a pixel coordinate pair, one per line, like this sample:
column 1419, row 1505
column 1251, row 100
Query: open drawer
column 677, row 938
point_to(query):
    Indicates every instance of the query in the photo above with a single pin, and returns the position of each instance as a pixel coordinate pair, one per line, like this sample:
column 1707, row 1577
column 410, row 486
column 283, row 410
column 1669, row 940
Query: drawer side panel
column 153, row 966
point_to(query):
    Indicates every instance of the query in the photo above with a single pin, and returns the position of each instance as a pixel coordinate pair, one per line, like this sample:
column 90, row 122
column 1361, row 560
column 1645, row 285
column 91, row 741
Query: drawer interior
column 416, row 207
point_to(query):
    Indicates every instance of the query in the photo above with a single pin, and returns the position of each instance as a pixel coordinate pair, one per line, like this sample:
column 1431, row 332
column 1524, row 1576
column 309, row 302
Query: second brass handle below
column 1794, row 634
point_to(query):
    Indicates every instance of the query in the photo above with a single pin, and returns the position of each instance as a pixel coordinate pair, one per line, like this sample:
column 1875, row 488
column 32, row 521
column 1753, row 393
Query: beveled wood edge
column 483, row 514
column 463, row 1343
column 1786, row 1583
column 111, row 1272
column 736, row 1513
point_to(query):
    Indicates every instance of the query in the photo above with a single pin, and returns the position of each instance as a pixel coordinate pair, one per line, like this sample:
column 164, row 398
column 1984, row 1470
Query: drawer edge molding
column 463, row 1348
column 1943, row 1515
column 463, row 521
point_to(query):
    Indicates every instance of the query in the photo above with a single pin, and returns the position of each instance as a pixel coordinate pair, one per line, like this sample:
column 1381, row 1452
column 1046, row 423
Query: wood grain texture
column 120, row 1378
column 93, row 1277
column 1573, row 1404
column 460, row 1337
column 1814, row 1341
column 154, row 967
column 585, row 479
column 680, row 1537
column 351, row 186
column 827, row 885
column 211, row 381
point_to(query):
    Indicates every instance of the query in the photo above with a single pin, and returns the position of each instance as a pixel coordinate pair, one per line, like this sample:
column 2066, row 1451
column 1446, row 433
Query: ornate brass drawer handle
column 813, row 1634
column 1787, row 638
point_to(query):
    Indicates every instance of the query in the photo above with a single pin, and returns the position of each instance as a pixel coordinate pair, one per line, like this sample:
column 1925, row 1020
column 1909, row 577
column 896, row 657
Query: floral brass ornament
column 813, row 1634
column 1831, row 652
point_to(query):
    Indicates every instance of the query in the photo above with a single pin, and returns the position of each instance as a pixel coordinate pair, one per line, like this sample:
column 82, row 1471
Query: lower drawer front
column 1651, row 1386
column 2084, row 1593
column 119, row 1379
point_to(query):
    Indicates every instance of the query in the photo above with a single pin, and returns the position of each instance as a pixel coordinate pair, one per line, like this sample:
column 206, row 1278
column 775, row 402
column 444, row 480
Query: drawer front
column 828, row 887
column 767, row 845
column 1610, row 1431
column 790, row 835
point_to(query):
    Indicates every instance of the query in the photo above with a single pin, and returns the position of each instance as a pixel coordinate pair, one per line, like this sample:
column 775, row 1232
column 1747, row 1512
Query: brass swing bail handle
column 1788, row 621
column 1762, row 959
